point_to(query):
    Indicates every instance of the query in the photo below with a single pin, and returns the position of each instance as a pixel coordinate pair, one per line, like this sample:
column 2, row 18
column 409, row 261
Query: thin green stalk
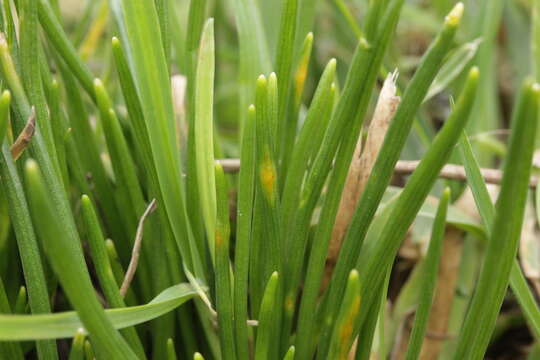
column 34, row 275
column 284, row 67
column 8, row 350
column 66, row 258
column 380, row 177
column 196, row 18
column 308, row 142
column 413, row 195
column 267, row 318
column 290, row 354
column 354, row 100
column 224, row 302
column 5, row 101
column 21, row 301
column 518, row 283
column 294, row 105
column 57, row 36
column 506, row 229
column 86, row 142
column 342, row 336
column 77, row 347
column 148, row 59
column 103, row 269
column 253, row 52
column 204, row 130
column 246, row 203
column 430, row 269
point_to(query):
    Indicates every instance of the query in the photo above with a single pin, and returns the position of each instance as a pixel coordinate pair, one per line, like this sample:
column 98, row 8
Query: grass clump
column 175, row 192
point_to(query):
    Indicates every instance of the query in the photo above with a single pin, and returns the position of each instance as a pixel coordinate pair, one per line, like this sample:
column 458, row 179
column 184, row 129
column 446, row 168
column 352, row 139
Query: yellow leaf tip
column 454, row 16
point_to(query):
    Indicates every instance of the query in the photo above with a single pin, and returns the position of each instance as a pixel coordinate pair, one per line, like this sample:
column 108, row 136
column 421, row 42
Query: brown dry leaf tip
column 362, row 163
column 130, row 273
column 24, row 137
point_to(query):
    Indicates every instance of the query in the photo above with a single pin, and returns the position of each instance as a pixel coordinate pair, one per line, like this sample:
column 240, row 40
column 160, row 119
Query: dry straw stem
column 436, row 332
column 362, row 163
column 407, row 167
column 130, row 273
column 24, row 137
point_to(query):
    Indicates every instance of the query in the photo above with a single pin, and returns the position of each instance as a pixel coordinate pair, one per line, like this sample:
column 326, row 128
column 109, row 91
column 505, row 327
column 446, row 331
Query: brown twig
column 24, row 137
column 405, row 167
column 136, row 249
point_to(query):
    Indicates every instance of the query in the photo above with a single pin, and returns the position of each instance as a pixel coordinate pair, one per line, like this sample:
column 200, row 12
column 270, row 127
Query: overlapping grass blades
column 68, row 324
column 506, row 229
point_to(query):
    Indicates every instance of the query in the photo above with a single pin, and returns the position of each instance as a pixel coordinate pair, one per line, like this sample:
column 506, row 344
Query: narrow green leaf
column 453, row 67
column 153, row 85
column 68, row 324
column 430, row 270
column 29, row 250
column 354, row 100
column 414, row 194
column 518, row 283
column 204, row 130
column 284, row 67
column 244, row 215
column 342, row 336
column 267, row 318
column 77, row 346
column 378, row 181
column 224, row 302
column 5, row 100
column 171, row 352
column 66, row 258
column 103, row 269
column 506, row 229
column 290, row 354
column 57, row 36
column 253, row 52
column 9, row 350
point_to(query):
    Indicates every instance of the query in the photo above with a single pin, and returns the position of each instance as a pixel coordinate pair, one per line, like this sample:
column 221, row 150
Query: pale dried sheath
column 363, row 161
column 24, row 138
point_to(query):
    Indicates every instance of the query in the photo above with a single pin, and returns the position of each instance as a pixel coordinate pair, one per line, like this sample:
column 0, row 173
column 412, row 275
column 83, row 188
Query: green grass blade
column 506, row 229
column 224, row 300
column 246, row 203
column 518, row 283
column 453, row 67
column 9, row 350
column 67, row 324
column 253, row 52
column 103, row 269
column 380, row 175
column 299, row 82
column 29, row 251
column 354, row 100
column 267, row 318
column 77, row 346
column 153, row 85
column 290, row 354
column 430, row 270
column 535, row 44
column 171, row 352
column 57, row 36
column 342, row 336
column 284, row 67
column 5, row 101
column 413, row 196
column 204, row 130
column 66, row 258
column 30, row 49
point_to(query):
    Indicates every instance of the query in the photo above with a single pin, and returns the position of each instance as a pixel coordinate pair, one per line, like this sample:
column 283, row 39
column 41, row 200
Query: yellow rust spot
column 218, row 238
column 268, row 178
column 289, row 304
column 346, row 330
column 300, row 79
